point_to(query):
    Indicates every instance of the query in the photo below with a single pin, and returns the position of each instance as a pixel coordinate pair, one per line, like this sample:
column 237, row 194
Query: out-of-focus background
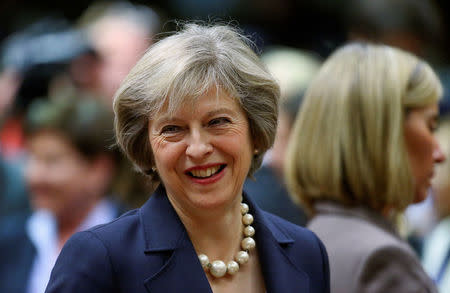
column 61, row 62
column 318, row 25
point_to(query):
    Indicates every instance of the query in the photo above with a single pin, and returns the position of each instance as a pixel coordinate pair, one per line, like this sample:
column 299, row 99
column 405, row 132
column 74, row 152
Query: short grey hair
column 181, row 68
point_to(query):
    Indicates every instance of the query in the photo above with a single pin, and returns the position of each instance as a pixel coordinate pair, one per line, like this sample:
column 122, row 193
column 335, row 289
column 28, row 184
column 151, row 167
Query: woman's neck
column 69, row 221
column 218, row 234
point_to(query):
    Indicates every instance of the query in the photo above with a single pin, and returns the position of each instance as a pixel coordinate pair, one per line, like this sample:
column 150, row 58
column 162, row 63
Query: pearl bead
column 249, row 231
column 242, row 257
column 232, row 267
column 244, row 208
column 218, row 268
column 247, row 219
column 248, row 243
column 204, row 260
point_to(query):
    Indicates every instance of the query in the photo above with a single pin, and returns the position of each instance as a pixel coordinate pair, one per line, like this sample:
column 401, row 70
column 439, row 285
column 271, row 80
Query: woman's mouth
column 203, row 173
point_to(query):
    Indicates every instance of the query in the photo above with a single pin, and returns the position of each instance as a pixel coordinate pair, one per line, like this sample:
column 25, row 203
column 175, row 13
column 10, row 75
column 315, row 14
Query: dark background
column 317, row 25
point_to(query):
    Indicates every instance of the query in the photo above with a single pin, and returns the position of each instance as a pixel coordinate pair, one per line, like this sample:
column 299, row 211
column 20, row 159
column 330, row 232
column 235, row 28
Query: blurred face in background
column 57, row 174
column 120, row 45
column 422, row 147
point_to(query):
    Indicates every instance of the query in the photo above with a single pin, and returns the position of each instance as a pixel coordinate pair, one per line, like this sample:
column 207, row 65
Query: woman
column 363, row 150
column 69, row 170
column 196, row 114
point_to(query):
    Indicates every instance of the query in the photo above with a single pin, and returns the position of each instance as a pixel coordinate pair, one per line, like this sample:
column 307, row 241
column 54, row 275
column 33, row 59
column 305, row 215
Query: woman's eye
column 219, row 121
column 433, row 125
column 170, row 129
column 433, row 128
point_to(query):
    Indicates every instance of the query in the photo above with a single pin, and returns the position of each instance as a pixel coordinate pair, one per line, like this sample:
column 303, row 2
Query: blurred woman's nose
column 34, row 170
column 438, row 154
column 198, row 145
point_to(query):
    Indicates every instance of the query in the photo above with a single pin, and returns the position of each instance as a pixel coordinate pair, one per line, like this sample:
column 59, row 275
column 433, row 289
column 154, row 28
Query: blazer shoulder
column 84, row 265
column 123, row 224
column 122, row 234
column 362, row 253
column 391, row 268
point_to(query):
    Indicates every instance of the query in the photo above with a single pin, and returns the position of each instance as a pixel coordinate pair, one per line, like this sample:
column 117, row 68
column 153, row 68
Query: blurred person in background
column 30, row 61
column 69, row 171
column 13, row 194
column 436, row 252
column 411, row 25
column 293, row 69
column 362, row 150
column 120, row 33
column 415, row 26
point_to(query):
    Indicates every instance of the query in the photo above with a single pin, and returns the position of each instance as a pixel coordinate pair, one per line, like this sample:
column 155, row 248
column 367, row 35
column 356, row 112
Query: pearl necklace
column 218, row 268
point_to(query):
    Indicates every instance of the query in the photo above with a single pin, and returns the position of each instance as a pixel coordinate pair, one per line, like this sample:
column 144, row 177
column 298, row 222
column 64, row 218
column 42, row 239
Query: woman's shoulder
column 347, row 237
column 361, row 226
column 393, row 268
column 364, row 253
column 126, row 224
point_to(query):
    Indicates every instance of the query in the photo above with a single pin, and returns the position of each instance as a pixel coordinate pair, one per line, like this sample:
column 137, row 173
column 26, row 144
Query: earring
column 256, row 151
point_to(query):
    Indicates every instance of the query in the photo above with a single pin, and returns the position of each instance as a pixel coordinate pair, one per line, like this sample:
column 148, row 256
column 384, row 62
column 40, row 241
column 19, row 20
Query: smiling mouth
column 207, row 172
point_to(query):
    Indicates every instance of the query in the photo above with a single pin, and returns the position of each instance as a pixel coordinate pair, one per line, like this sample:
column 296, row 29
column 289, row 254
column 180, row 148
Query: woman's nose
column 199, row 145
column 438, row 155
column 33, row 170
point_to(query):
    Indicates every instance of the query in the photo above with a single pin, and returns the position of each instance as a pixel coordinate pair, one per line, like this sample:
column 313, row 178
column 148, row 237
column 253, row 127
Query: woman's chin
column 421, row 195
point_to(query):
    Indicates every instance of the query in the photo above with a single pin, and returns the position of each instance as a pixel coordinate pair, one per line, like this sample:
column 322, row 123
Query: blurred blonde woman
column 362, row 150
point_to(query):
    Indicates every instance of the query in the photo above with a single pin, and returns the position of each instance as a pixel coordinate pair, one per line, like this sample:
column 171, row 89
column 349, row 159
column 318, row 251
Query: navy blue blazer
column 149, row 250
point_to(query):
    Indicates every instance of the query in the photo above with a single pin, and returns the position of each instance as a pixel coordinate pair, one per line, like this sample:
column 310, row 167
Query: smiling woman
column 203, row 150
column 196, row 114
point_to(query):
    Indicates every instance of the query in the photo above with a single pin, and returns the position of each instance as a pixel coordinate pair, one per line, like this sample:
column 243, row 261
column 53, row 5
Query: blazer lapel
column 174, row 265
column 173, row 262
column 278, row 266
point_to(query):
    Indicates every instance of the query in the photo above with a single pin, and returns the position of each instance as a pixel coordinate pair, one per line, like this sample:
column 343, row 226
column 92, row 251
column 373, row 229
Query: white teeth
column 205, row 172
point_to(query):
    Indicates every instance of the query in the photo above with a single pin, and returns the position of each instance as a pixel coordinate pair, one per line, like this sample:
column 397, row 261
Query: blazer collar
column 361, row 212
column 279, row 266
column 165, row 234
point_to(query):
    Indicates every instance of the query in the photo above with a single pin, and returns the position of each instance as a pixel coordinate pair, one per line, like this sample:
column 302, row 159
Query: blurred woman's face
column 56, row 174
column 203, row 152
column 422, row 147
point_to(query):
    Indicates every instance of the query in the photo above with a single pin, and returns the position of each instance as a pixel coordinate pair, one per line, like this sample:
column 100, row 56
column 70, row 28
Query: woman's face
column 203, row 152
column 422, row 147
column 56, row 174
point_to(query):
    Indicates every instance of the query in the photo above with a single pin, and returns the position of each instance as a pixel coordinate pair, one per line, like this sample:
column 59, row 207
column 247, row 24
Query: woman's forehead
column 211, row 99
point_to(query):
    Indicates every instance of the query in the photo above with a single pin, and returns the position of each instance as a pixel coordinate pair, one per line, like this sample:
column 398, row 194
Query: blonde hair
column 183, row 67
column 348, row 143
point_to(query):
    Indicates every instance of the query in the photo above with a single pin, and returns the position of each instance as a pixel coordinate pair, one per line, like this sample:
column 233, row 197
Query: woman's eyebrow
column 220, row 111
